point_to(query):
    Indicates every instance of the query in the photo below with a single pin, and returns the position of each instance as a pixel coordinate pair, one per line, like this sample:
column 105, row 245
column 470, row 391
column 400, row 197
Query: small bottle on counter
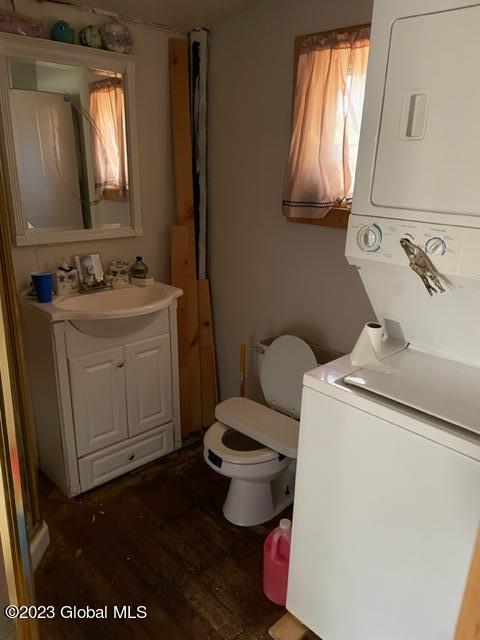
column 139, row 273
column 139, row 269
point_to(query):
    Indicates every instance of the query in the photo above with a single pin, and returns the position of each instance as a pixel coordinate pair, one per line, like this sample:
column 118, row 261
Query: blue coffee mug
column 43, row 285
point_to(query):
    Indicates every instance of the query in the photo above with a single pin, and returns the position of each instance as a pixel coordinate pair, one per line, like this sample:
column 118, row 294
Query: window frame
column 336, row 217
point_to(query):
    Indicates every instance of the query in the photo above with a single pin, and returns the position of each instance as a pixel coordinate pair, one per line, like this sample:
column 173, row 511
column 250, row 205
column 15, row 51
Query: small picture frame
column 90, row 270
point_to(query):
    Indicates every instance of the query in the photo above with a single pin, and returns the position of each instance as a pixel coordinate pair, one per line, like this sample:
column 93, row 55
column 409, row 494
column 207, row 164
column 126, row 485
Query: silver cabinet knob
column 120, row 365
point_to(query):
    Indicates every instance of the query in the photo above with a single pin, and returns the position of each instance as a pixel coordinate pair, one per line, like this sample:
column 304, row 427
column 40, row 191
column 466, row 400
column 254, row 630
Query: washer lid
column 285, row 362
column 431, row 384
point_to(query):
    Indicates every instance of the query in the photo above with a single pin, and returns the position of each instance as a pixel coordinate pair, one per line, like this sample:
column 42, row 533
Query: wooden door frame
column 14, row 432
column 16, row 355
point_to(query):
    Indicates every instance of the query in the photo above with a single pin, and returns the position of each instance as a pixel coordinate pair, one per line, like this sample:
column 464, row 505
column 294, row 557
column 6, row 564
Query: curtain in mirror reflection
column 69, row 129
column 107, row 110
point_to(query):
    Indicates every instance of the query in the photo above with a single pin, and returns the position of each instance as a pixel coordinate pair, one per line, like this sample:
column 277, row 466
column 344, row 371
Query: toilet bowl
column 256, row 446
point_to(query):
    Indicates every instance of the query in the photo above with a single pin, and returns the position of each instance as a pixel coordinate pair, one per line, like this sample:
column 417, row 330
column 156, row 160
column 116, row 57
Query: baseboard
column 39, row 544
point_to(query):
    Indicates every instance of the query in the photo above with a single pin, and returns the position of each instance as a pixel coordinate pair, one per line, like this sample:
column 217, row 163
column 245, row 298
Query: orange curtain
column 107, row 111
column 329, row 95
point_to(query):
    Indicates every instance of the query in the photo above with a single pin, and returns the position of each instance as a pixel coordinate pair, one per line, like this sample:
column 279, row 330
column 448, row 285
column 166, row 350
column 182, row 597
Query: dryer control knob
column 369, row 238
column 436, row 247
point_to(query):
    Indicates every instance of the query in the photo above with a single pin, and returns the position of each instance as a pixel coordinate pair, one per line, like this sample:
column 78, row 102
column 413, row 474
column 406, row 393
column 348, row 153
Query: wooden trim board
column 288, row 628
column 183, row 259
column 336, row 217
column 196, row 348
column 469, row 621
column 183, row 276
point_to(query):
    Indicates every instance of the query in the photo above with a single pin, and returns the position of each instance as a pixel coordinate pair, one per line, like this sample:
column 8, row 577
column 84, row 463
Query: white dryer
column 420, row 130
column 388, row 472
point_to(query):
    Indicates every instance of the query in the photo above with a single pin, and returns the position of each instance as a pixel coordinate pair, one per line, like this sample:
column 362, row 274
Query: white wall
column 269, row 275
column 156, row 166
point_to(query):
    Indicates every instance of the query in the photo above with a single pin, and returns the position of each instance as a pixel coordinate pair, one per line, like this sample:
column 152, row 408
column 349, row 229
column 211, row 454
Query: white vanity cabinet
column 104, row 393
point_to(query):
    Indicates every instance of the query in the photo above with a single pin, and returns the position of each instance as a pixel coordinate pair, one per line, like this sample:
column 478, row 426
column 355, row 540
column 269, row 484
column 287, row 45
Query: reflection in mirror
column 70, row 144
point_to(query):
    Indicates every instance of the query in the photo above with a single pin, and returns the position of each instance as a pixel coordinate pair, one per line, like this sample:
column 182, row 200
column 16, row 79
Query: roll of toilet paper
column 374, row 331
column 368, row 345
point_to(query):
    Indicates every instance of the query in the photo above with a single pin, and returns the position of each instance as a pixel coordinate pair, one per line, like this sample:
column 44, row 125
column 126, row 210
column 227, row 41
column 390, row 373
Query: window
column 331, row 71
column 107, row 110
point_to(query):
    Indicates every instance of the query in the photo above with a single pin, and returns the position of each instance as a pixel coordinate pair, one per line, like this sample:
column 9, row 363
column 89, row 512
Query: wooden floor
column 155, row 538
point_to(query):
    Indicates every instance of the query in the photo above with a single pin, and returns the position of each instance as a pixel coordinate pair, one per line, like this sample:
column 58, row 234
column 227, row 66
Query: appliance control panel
column 453, row 250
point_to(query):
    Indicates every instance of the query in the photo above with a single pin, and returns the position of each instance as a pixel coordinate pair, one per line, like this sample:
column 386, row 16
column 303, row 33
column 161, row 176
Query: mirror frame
column 69, row 54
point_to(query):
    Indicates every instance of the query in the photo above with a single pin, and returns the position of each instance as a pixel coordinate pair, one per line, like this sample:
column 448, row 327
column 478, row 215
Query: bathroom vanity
column 103, row 372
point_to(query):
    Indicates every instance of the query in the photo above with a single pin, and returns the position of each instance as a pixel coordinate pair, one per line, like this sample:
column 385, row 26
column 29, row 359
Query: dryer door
column 429, row 140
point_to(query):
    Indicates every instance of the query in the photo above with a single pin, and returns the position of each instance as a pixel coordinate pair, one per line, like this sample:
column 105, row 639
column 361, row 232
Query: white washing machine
column 388, row 473
column 387, row 501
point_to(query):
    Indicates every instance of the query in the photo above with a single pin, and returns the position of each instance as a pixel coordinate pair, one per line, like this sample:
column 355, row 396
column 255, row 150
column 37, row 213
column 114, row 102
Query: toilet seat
column 268, row 427
column 214, row 442
column 285, row 362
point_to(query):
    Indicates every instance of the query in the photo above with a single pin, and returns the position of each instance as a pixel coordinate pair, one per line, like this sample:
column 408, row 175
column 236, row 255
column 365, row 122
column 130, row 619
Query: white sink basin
column 113, row 303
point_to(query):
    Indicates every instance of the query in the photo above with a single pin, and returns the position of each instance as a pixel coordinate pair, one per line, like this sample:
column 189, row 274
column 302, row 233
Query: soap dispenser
column 139, row 273
column 139, row 269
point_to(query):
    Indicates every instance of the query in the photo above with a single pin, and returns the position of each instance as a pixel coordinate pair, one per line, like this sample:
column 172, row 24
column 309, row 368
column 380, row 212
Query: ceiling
column 182, row 14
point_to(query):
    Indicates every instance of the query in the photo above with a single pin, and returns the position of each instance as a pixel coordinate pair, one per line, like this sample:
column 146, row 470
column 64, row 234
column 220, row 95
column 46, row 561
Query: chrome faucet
column 104, row 284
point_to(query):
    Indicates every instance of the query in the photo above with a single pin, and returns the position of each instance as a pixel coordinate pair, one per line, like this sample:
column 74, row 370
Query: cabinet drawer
column 101, row 466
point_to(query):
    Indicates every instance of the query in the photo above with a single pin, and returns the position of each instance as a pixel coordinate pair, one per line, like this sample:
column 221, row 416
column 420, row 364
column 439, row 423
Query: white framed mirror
column 70, row 141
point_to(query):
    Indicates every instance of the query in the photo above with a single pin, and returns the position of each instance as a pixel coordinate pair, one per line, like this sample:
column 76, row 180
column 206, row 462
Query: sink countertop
column 124, row 302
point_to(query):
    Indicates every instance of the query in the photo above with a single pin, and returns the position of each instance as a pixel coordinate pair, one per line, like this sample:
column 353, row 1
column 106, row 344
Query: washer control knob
column 436, row 247
column 369, row 238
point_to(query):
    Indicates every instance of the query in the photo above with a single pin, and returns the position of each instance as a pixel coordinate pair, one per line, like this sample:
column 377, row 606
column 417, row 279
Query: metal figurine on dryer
column 423, row 267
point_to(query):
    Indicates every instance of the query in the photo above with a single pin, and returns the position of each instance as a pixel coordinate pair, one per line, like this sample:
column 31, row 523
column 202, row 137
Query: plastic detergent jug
column 276, row 556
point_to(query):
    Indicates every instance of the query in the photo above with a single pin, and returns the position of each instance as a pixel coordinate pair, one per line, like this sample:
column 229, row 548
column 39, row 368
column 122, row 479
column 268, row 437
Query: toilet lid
column 271, row 428
column 285, row 362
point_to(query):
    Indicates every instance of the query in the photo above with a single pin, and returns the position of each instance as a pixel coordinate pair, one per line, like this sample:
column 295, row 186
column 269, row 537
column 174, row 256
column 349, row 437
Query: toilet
column 256, row 446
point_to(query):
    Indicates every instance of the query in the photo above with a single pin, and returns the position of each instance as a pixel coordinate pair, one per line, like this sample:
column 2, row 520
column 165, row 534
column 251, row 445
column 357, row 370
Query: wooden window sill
column 337, row 217
column 118, row 195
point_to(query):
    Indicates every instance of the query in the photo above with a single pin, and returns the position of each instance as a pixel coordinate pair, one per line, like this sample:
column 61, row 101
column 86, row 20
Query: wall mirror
column 68, row 116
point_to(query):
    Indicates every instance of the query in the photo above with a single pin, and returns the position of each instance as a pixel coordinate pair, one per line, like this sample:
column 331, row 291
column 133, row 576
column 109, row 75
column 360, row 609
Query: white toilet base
column 251, row 502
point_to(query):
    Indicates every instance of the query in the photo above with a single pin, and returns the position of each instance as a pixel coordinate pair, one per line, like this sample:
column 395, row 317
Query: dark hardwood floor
column 155, row 538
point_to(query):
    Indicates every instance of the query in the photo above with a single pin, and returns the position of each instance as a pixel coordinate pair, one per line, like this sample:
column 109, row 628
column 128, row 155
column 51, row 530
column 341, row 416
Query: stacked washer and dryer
column 388, row 473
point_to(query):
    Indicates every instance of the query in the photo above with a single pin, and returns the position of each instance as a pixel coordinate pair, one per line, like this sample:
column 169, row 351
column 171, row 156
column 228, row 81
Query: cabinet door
column 149, row 384
column 98, row 398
